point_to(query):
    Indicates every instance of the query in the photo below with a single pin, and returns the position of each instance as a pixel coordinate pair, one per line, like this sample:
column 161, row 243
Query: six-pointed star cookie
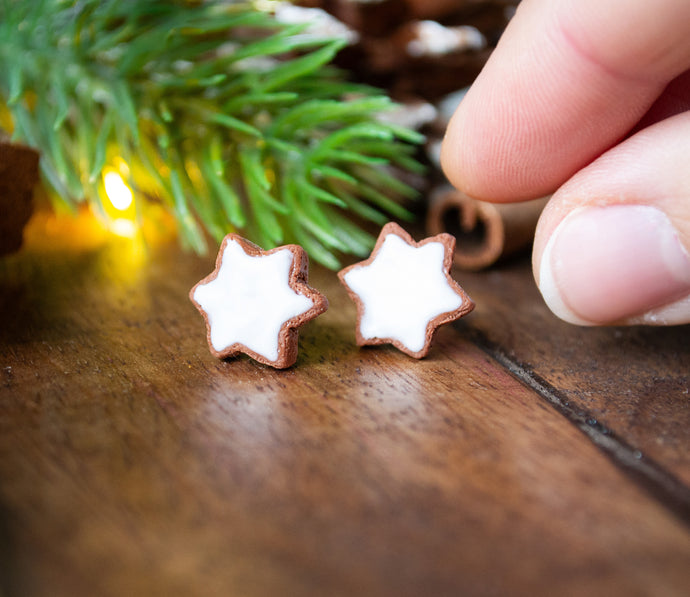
column 254, row 301
column 404, row 290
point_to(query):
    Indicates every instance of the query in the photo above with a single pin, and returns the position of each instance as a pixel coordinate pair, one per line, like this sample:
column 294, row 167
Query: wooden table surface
column 524, row 456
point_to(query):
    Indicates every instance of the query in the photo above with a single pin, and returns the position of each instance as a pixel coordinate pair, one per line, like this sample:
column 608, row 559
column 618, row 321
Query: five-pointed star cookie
column 254, row 301
column 404, row 290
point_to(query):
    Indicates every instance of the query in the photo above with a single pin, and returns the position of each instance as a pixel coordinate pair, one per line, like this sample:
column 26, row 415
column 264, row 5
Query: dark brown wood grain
column 132, row 462
column 630, row 382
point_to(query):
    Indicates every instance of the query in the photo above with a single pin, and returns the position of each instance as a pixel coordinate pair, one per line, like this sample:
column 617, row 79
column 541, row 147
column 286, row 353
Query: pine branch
column 232, row 120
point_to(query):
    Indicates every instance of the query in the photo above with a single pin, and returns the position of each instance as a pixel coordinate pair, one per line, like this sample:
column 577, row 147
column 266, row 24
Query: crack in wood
column 664, row 487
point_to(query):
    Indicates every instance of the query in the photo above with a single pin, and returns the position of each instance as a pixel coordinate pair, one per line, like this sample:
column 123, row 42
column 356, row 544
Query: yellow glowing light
column 119, row 194
column 124, row 227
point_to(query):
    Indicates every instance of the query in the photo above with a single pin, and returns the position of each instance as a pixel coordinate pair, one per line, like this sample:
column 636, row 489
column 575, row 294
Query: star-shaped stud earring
column 254, row 301
column 404, row 291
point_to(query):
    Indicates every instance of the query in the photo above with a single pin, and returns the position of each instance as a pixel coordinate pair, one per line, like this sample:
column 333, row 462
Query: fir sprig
column 233, row 120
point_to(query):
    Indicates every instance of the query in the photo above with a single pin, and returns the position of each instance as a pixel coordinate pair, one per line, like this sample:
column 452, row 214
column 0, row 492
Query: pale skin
column 589, row 100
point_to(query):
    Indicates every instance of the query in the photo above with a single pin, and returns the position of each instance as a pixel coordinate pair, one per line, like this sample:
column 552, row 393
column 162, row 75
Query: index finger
column 567, row 81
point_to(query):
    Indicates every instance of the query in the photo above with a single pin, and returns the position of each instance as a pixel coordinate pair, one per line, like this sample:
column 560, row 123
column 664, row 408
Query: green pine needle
column 232, row 120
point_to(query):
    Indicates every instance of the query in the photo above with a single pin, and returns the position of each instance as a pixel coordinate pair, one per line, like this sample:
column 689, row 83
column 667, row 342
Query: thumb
column 613, row 244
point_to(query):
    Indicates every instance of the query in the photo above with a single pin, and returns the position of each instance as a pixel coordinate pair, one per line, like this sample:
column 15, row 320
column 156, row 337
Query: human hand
column 590, row 100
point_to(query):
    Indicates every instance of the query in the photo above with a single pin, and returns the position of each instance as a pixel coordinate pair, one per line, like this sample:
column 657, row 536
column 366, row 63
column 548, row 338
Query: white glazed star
column 404, row 290
column 254, row 301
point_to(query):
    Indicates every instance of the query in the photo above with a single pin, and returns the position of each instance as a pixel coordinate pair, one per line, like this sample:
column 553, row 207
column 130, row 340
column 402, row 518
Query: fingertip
column 550, row 288
column 450, row 158
column 612, row 246
column 478, row 157
column 605, row 265
column 462, row 153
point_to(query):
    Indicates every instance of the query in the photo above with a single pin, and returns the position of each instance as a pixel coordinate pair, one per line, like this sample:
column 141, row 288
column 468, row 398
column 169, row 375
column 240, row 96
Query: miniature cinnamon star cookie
column 254, row 301
column 404, row 290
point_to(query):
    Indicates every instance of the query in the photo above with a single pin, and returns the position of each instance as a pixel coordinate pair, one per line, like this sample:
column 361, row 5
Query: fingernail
column 608, row 264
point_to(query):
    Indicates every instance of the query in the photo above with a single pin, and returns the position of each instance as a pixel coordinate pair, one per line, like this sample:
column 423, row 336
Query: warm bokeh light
column 124, row 227
column 117, row 191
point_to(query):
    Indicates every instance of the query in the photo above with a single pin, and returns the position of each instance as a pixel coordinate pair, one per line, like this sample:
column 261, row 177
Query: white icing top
column 250, row 300
column 433, row 39
column 321, row 24
column 402, row 290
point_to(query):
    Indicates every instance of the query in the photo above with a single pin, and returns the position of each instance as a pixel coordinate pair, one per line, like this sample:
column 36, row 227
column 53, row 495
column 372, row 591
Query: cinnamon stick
column 485, row 232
